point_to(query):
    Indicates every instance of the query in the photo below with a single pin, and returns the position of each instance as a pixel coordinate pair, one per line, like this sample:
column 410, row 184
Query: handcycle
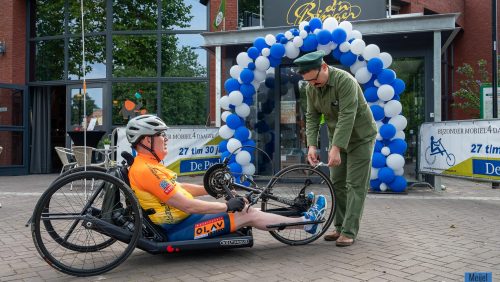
column 89, row 221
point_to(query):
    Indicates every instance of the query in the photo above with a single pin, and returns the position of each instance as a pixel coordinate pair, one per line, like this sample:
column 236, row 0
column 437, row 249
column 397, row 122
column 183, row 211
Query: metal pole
column 390, row 9
column 494, row 61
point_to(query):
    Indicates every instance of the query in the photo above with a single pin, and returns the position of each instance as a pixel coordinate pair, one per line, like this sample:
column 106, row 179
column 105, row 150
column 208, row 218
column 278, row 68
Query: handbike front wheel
column 288, row 192
column 76, row 210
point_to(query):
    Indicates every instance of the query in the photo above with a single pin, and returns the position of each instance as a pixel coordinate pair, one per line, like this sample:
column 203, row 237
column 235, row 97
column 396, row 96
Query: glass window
column 94, row 107
column 182, row 56
column 133, row 99
column 12, row 153
column 134, row 56
column 49, row 60
column 95, row 57
column 248, row 13
column 11, row 107
column 184, row 15
column 135, row 14
column 185, row 103
column 94, row 16
column 49, row 17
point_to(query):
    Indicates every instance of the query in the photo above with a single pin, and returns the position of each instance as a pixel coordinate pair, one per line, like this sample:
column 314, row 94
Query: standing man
column 351, row 130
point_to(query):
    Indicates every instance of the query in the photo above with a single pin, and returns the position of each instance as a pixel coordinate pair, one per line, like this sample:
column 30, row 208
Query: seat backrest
column 80, row 152
column 62, row 153
column 1, row 149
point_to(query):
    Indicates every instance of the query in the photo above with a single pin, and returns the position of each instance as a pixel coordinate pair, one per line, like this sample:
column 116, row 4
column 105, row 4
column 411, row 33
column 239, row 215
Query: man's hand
column 235, row 204
column 312, row 156
column 334, row 156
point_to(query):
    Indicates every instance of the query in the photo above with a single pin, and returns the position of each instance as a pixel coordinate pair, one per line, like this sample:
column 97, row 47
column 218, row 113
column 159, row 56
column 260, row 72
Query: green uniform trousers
column 351, row 181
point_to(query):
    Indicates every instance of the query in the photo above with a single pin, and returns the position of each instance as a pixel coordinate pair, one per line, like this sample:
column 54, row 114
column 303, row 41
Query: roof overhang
column 401, row 25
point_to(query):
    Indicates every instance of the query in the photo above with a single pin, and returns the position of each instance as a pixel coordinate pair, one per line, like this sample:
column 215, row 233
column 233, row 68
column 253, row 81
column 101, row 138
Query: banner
column 461, row 148
column 190, row 150
column 221, row 13
column 486, row 101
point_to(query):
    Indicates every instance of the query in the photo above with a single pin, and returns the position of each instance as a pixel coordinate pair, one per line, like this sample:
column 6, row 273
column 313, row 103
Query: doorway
column 58, row 124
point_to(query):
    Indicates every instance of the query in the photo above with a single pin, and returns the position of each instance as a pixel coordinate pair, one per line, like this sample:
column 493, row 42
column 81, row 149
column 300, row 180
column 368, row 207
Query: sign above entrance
column 293, row 12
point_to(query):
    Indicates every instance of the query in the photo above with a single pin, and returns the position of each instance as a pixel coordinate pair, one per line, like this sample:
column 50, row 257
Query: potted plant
column 106, row 142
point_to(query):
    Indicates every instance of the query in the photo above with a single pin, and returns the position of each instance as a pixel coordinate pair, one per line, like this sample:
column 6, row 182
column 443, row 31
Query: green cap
column 309, row 61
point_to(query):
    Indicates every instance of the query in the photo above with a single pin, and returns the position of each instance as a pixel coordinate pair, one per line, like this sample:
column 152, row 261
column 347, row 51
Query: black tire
column 81, row 168
column 283, row 185
column 91, row 252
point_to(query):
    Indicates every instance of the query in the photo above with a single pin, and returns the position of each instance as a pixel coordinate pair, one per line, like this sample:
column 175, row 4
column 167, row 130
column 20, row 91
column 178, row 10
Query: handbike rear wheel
column 292, row 184
column 81, row 245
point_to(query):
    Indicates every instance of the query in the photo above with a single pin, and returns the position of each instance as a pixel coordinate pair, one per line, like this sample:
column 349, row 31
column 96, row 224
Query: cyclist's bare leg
column 260, row 220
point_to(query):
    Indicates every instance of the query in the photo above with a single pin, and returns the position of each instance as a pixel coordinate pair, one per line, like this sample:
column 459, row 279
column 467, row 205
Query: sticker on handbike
column 209, row 227
column 234, row 242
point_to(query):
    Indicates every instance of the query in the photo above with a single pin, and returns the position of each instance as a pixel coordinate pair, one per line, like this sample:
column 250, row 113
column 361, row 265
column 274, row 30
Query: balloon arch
column 369, row 66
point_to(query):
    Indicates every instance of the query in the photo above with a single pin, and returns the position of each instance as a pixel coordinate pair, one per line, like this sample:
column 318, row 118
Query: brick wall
column 13, row 32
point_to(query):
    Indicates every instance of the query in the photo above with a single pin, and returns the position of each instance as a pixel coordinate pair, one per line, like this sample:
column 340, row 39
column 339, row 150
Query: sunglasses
column 313, row 79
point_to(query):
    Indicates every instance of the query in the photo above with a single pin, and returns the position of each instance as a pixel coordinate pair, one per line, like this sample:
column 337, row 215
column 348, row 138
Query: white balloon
column 262, row 63
column 379, row 123
column 345, row 47
column 226, row 132
column 376, row 83
column 371, row 51
column 392, row 108
column 243, row 60
column 224, row 115
column 270, row 71
column 400, row 135
column 239, row 80
column 381, row 103
column 234, row 145
column 374, row 173
column 324, row 48
column 258, row 75
column 363, row 75
column 270, row 39
column 332, row 45
column 291, row 51
column 358, row 46
column 385, row 92
column 379, row 137
column 243, row 158
column 303, row 34
column 249, row 134
column 399, row 172
column 266, row 52
column 330, row 24
column 357, row 65
column 224, row 103
column 235, row 71
column 242, row 110
column 249, row 169
column 399, row 122
column 298, row 41
column 288, row 35
column 356, row 34
column 386, row 59
column 302, row 25
column 383, row 187
column 235, row 98
column 395, row 161
column 256, row 85
column 346, row 25
column 316, row 31
column 385, row 151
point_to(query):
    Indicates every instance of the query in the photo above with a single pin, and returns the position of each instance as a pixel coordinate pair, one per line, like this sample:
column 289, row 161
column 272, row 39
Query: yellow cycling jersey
column 153, row 185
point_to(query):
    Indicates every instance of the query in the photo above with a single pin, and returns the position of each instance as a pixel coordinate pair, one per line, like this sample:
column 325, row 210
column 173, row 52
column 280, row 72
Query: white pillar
column 437, row 91
column 218, row 91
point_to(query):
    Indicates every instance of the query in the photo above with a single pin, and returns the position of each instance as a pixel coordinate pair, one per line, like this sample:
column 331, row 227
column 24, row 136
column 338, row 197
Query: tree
column 468, row 96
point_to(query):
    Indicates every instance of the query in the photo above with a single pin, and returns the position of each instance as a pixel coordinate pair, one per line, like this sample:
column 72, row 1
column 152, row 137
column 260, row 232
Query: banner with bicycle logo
column 461, row 148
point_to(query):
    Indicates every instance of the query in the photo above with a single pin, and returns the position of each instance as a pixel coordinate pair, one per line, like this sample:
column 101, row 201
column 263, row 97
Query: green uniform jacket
column 349, row 119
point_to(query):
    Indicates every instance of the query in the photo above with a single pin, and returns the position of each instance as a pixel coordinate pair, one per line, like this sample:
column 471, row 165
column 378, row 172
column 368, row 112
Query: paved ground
column 421, row 236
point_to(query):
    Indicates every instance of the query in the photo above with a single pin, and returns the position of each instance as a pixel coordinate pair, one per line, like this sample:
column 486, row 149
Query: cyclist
column 178, row 212
column 436, row 147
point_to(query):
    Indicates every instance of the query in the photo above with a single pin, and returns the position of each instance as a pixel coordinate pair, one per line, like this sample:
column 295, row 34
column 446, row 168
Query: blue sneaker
column 316, row 212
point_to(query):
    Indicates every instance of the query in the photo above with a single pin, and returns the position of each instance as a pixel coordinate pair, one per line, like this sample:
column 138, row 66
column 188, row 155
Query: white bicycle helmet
column 144, row 125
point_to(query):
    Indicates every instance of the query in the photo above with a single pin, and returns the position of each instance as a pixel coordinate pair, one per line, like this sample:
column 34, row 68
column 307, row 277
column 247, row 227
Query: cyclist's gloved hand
column 235, row 204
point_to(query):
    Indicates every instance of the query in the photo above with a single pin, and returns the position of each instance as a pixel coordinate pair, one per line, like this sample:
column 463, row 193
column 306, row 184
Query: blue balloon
column 398, row 85
column 295, row 31
column 339, row 36
column 246, row 75
column 315, row 23
column 232, row 107
column 398, row 146
column 247, row 90
column 370, row 83
column 378, row 146
column 284, row 41
column 242, row 133
column 260, row 43
column 231, row 85
column 386, row 175
column 279, row 36
column 253, row 52
column 377, row 111
column 386, row 120
column 233, row 121
column 386, row 76
column 398, row 184
column 249, row 146
column 378, row 160
column 361, row 58
column 310, row 43
column 269, row 82
column 324, row 37
column 223, row 146
column 337, row 54
column 235, row 168
column 375, row 65
column 348, row 59
column 277, row 50
column 248, row 100
column 371, row 94
column 387, row 131
column 375, row 184
column 307, row 28
column 224, row 155
column 274, row 61
column 251, row 66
